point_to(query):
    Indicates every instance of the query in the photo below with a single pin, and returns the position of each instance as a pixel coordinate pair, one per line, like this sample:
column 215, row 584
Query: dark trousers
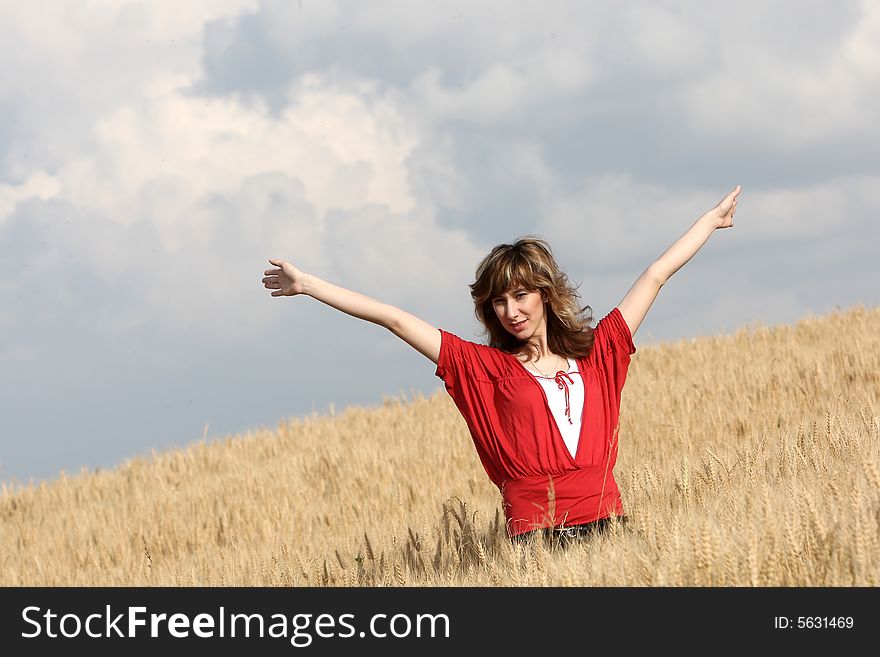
column 565, row 536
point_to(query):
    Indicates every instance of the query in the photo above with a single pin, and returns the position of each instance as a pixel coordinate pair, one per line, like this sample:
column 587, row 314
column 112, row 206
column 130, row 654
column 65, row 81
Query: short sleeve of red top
column 518, row 441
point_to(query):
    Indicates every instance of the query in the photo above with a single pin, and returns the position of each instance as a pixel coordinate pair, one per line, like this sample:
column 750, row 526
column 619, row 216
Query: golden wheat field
column 750, row 459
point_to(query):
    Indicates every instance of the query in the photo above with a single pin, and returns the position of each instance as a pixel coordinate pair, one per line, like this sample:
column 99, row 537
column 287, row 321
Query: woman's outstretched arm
column 641, row 295
column 289, row 281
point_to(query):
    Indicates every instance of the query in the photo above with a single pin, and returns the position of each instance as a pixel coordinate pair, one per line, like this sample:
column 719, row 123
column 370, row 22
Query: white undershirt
column 570, row 431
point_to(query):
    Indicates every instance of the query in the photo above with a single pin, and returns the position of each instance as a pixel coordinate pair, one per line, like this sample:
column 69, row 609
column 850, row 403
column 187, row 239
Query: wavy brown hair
column 529, row 263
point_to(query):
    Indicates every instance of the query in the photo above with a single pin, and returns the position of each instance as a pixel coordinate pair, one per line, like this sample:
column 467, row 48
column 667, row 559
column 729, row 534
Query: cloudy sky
column 154, row 155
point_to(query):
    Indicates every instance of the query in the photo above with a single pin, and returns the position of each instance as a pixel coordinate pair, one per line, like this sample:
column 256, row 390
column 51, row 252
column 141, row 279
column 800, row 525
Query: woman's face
column 521, row 312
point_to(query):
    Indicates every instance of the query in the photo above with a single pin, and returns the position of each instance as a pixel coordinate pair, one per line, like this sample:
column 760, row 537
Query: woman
column 542, row 399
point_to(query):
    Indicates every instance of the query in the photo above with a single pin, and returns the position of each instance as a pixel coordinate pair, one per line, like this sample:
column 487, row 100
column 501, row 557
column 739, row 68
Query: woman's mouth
column 519, row 326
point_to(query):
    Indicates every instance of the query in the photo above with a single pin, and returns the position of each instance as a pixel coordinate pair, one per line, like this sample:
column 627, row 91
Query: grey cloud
column 139, row 334
column 98, row 367
column 628, row 116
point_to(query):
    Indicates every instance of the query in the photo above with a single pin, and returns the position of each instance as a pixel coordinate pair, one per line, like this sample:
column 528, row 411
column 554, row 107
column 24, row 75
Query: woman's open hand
column 286, row 281
column 722, row 214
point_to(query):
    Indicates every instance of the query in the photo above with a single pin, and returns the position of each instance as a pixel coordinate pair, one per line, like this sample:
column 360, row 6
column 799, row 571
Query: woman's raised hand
column 723, row 213
column 286, row 281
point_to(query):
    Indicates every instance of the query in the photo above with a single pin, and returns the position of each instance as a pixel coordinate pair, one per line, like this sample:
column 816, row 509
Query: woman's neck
column 544, row 354
column 539, row 341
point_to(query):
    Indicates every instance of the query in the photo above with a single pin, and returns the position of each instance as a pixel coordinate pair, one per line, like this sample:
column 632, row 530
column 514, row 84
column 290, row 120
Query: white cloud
column 406, row 256
column 495, row 93
column 664, row 39
column 39, row 185
column 862, row 49
column 614, row 218
column 779, row 99
column 159, row 157
column 383, row 156
column 76, row 62
column 223, row 182
column 346, row 150
column 812, row 210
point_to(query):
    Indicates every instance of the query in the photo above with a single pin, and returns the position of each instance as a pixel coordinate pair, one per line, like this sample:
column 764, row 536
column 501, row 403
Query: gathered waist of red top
column 573, row 497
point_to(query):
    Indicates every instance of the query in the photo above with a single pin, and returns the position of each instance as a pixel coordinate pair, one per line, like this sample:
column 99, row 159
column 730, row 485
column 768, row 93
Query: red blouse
column 518, row 440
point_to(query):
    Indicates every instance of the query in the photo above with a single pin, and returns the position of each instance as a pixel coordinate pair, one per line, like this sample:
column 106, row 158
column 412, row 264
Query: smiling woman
column 513, row 285
column 542, row 399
